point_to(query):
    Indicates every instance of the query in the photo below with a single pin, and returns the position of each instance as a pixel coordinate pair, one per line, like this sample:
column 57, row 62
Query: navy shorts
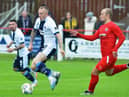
column 21, row 63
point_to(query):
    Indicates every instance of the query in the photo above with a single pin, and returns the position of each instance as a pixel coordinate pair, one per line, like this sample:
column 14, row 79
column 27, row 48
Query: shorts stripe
column 107, row 59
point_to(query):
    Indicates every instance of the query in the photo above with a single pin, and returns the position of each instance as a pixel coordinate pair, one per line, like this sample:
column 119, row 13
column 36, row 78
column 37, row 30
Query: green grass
column 74, row 80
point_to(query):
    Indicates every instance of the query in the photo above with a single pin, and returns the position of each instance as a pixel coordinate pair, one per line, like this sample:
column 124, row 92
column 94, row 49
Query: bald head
column 108, row 11
column 106, row 15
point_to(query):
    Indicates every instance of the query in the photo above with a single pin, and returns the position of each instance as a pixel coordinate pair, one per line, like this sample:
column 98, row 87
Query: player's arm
column 20, row 41
column 60, row 43
column 86, row 37
column 8, row 45
column 16, row 48
column 117, row 31
column 31, row 40
column 19, row 47
column 55, row 31
column 33, row 34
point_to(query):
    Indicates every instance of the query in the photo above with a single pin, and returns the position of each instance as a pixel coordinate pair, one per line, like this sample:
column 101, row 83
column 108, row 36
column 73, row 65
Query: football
column 27, row 88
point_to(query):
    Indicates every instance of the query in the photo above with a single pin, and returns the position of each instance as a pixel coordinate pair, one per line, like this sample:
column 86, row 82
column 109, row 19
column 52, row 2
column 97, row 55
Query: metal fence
column 78, row 8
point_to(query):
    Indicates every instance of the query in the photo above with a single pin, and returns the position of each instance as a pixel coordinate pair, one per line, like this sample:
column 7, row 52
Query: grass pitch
column 74, row 80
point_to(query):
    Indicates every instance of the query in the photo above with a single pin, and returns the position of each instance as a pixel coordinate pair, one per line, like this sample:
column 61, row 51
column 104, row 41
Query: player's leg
column 116, row 69
column 18, row 67
column 38, row 65
column 16, row 64
column 100, row 67
column 93, row 82
column 26, row 70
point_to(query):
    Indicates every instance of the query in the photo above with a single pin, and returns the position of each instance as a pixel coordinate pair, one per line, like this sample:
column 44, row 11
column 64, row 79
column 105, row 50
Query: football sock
column 33, row 73
column 119, row 68
column 41, row 67
column 94, row 80
column 29, row 76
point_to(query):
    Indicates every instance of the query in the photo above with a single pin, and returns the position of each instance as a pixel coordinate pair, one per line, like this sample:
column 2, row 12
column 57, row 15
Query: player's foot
column 34, row 84
column 87, row 93
column 54, row 79
column 56, row 75
column 128, row 65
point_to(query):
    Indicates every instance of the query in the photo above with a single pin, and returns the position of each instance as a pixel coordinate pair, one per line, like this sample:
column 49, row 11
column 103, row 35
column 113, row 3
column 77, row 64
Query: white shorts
column 48, row 51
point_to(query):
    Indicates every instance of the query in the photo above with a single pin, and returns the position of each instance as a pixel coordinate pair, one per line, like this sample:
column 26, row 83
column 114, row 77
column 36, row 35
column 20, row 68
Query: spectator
column 69, row 22
column 89, row 21
column 25, row 22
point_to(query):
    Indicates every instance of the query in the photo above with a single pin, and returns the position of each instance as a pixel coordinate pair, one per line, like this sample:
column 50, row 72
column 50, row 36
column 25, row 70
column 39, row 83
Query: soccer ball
column 27, row 88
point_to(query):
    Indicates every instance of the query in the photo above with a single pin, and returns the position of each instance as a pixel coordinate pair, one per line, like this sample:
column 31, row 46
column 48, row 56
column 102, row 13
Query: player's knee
column 95, row 71
column 33, row 66
column 15, row 69
column 108, row 74
column 34, row 62
column 22, row 73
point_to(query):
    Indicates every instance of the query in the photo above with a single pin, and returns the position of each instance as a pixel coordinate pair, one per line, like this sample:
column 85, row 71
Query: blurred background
column 78, row 9
column 82, row 15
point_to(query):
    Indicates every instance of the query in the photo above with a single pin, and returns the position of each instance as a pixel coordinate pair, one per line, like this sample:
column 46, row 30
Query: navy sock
column 28, row 76
column 41, row 67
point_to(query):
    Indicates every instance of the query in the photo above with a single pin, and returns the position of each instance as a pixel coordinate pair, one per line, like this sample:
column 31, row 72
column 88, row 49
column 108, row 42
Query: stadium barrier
column 13, row 13
column 80, row 48
column 5, row 39
column 74, row 47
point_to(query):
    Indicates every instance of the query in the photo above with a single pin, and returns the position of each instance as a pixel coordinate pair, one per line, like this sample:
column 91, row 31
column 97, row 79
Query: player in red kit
column 108, row 34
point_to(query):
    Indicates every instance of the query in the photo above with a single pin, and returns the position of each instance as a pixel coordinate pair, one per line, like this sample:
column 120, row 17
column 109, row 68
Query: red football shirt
column 108, row 34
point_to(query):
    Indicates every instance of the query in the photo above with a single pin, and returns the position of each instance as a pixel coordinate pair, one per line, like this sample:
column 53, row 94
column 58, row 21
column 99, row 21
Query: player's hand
column 73, row 33
column 62, row 52
column 10, row 50
column 114, row 54
column 30, row 47
column 7, row 46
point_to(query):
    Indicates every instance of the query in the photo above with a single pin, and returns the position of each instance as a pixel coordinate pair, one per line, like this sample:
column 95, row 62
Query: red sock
column 94, row 80
column 119, row 68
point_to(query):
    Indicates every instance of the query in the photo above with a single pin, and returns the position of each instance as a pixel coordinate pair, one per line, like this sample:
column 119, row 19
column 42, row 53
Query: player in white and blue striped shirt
column 21, row 63
column 48, row 31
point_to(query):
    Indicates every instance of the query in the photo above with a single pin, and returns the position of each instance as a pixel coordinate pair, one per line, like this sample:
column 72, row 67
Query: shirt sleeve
column 54, row 28
column 21, row 39
column 89, row 37
column 119, row 34
column 36, row 25
column 11, row 36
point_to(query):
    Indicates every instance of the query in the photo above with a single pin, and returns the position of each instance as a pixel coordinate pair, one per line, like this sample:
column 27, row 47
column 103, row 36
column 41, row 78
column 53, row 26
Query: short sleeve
column 11, row 35
column 54, row 28
column 37, row 23
column 21, row 39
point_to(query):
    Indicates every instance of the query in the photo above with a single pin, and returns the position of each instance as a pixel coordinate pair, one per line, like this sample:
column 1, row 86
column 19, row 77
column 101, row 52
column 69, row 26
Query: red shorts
column 106, row 63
